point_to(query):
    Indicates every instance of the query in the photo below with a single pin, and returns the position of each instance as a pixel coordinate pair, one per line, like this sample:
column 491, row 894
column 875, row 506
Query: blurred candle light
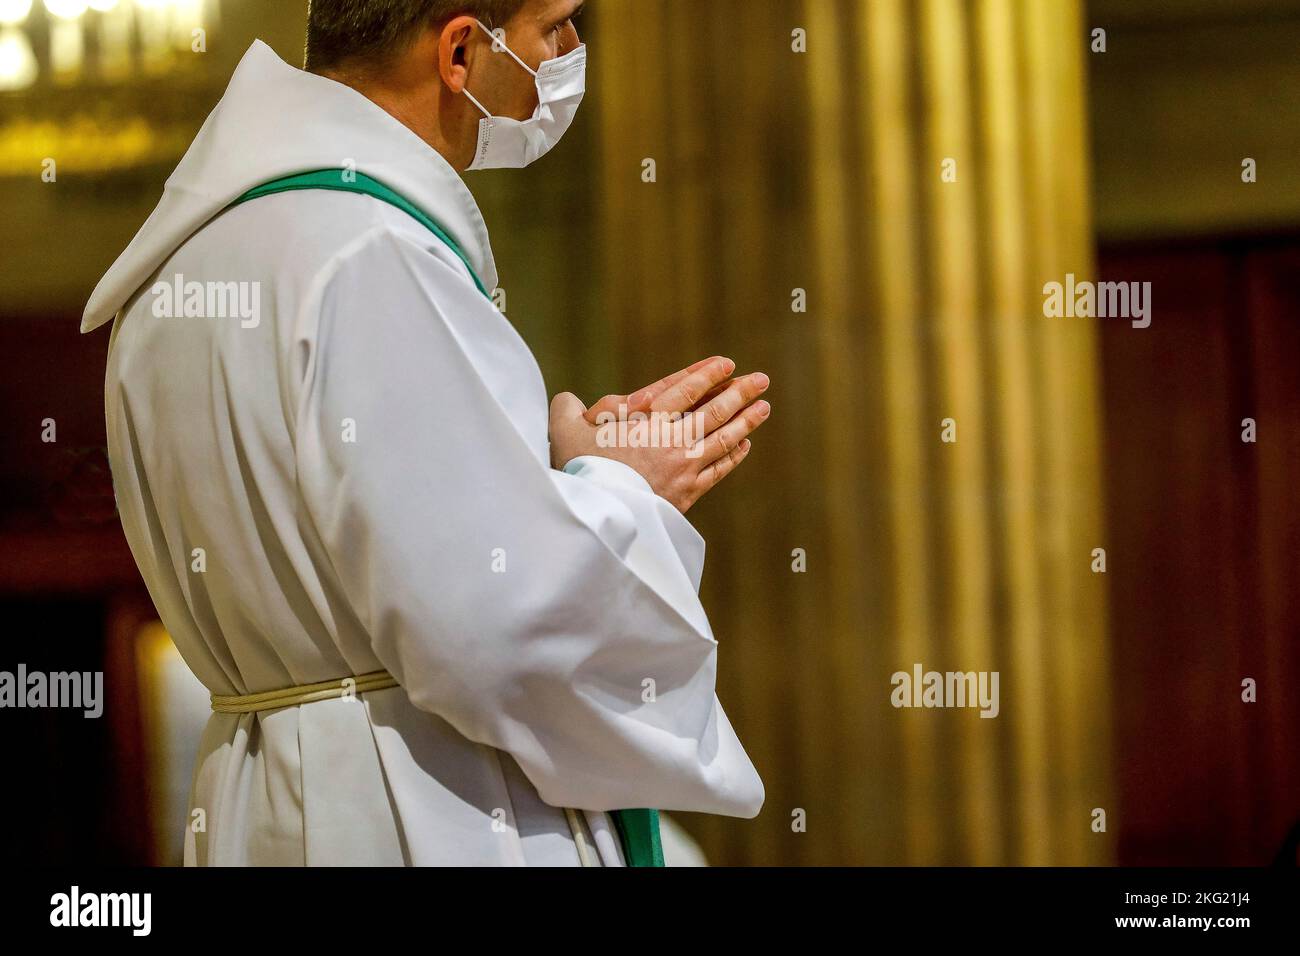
column 66, row 9
column 187, row 16
column 67, row 49
column 115, row 25
column 15, row 11
column 153, row 21
column 18, row 67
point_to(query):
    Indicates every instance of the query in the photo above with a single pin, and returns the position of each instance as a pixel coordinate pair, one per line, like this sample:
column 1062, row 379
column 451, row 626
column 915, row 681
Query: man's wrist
column 606, row 471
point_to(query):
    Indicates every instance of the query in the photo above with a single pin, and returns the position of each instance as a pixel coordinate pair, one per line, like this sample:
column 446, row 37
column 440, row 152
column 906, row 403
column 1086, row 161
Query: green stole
column 638, row 830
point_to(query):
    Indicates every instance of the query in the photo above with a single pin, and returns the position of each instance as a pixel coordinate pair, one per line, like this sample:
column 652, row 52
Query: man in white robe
column 333, row 456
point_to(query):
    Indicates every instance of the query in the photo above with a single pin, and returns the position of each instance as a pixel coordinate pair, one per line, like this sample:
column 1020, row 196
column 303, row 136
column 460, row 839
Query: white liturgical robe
column 330, row 457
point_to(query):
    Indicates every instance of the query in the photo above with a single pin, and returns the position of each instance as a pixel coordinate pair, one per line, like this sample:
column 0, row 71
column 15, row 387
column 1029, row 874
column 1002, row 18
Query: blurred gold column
column 780, row 170
column 1056, row 190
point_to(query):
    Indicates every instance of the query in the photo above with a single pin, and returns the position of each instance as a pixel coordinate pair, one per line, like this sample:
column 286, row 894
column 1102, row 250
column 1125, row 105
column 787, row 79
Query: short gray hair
column 370, row 31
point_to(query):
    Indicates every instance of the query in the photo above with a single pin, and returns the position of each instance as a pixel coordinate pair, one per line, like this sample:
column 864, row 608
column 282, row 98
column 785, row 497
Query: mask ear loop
column 495, row 40
column 475, row 101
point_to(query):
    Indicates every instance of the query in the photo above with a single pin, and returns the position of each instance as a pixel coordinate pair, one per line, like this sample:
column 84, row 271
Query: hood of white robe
column 275, row 120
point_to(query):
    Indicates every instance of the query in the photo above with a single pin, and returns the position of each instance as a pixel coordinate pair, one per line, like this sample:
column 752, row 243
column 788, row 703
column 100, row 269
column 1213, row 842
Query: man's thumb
column 567, row 405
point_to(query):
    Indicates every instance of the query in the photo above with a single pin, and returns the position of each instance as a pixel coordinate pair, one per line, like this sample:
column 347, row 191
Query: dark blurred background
column 799, row 220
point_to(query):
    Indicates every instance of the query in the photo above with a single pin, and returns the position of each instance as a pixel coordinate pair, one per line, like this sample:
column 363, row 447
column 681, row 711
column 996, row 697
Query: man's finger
column 686, row 393
column 639, row 401
column 724, row 440
column 609, row 404
column 723, row 466
column 715, row 391
column 567, row 405
column 644, row 396
column 715, row 413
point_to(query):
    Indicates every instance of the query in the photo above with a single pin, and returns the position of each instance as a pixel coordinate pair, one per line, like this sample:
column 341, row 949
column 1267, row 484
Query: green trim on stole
column 359, row 183
column 638, row 830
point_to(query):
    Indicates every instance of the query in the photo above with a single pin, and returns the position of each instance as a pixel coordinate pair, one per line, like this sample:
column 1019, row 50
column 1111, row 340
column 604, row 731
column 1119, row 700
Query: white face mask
column 505, row 143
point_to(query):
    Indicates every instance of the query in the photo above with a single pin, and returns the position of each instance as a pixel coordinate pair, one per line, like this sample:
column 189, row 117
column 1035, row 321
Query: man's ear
column 455, row 51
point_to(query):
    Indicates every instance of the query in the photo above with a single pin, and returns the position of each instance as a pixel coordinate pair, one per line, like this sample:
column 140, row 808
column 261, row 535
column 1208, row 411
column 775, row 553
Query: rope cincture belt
column 302, row 694
column 382, row 680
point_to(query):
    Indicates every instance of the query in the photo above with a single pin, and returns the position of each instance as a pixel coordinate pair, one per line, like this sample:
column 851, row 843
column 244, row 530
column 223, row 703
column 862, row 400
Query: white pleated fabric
column 360, row 481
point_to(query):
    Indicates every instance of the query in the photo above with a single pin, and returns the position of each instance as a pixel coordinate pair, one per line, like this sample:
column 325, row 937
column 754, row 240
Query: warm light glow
column 90, row 144
column 103, row 6
column 188, row 10
column 17, row 61
column 116, row 28
column 67, row 49
column 14, row 11
column 67, row 9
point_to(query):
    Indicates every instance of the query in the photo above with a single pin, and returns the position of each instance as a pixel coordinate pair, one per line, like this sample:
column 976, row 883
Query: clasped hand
column 683, row 434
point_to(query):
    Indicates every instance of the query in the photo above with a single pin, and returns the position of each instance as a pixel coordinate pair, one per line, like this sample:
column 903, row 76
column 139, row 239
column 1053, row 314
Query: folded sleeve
column 552, row 615
column 658, row 519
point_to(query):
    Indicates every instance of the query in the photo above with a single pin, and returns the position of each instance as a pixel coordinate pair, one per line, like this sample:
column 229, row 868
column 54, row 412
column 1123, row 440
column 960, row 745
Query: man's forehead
column 557, row 11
